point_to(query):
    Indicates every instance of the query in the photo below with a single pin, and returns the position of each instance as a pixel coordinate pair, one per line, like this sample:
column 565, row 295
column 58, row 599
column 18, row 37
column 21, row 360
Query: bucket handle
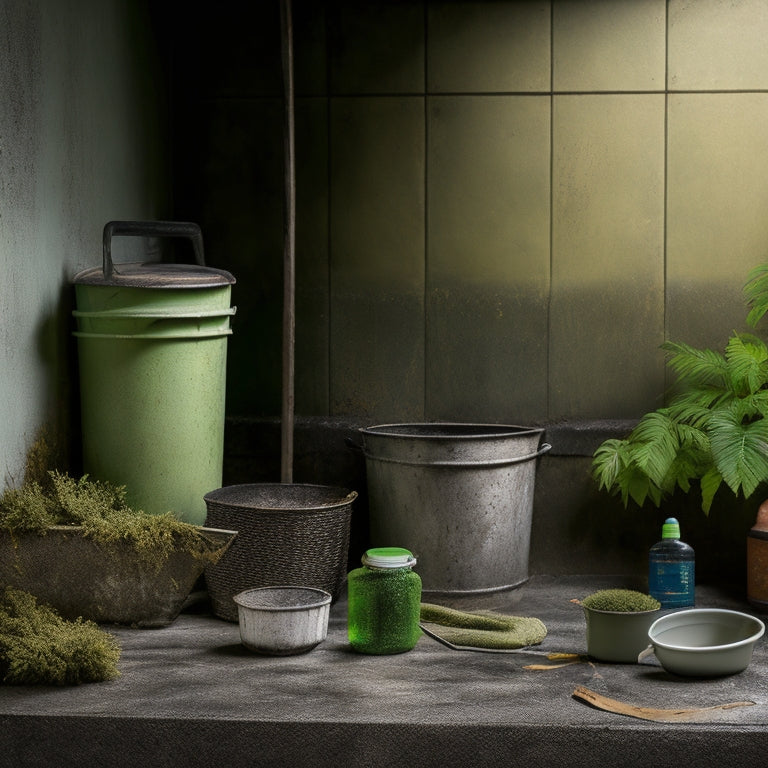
column 151, row 229
column 544, row 448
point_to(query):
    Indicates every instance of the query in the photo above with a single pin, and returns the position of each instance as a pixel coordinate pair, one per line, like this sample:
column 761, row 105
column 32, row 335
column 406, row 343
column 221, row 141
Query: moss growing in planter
column 38, row 647
column 100, row 509
column 621, row 601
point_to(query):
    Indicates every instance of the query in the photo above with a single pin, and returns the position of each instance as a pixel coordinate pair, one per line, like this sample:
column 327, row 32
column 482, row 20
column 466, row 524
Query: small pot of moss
column 618, row 621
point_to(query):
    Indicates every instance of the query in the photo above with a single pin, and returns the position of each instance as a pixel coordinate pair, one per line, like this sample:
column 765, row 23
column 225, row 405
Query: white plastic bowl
column 704, row 642
column 283, row 621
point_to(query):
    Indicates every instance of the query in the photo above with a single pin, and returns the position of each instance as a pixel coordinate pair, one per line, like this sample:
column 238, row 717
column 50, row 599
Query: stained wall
column 82, row 141
column 504, row 208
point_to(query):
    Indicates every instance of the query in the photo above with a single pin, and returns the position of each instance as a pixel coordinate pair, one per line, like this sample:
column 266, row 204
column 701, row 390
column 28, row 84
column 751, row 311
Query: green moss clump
column 104, row 515
column 27, row 509
column 47, row 451
column 38, row 647
column 620, row 600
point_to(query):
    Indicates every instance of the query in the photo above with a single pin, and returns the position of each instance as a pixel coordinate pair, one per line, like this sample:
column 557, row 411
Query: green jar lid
column 670, row 529
column 389, row 557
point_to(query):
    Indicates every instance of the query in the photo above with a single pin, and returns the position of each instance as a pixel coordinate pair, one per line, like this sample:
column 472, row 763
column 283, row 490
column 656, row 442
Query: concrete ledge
column 163, row 743
column 191, row 695
column 253, row 445
column 582, row 438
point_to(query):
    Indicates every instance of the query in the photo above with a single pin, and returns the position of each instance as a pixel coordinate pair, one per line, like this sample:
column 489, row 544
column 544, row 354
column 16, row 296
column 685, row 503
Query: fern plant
column 713, row 431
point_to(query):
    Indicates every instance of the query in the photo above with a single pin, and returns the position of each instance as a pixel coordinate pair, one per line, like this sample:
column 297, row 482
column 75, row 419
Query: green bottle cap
column 389, row 557
column 670, row 529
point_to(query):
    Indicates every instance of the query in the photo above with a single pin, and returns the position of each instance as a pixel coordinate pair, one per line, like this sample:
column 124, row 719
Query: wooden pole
column 289, row 250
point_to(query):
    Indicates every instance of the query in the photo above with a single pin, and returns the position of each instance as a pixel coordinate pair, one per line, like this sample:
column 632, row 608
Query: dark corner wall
column 82, row 140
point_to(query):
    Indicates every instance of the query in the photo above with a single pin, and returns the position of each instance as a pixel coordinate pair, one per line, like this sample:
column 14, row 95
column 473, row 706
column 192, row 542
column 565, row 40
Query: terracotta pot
column 757, row 560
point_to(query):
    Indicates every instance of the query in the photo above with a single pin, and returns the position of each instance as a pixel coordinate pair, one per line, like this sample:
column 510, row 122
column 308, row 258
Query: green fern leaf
column 710, row 482
column 689, row 464
column 640, row 488
column 757, row 402
column 743, row 410
column 702, row 366
column 656, row 445
column 608, row 462
column 694, row 406
column 747, row 358
column 739, row 450
column 756, row 291
column 714, row 428
column 692, row 437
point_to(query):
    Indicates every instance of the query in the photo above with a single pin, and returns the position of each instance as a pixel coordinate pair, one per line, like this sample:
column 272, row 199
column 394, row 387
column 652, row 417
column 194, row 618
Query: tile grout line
column 425, row 295
column 329, row 240
column 665, row 192
column 548, row 361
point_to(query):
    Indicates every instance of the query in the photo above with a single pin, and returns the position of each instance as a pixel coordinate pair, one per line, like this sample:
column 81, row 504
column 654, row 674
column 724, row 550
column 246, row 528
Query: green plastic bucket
column 152, row 349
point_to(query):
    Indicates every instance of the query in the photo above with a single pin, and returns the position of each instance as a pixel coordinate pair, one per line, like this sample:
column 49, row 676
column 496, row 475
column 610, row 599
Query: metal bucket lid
column 154, row 274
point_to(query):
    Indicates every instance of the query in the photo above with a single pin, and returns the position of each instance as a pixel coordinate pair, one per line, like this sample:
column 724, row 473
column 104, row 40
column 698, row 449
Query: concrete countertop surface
column 191, row 694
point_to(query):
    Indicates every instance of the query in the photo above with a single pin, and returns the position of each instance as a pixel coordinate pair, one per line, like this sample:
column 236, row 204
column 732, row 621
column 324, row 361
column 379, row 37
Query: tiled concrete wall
column 503, row 207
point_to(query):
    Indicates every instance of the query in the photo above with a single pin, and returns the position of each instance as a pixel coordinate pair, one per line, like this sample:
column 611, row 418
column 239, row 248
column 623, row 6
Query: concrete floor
column 190, row 694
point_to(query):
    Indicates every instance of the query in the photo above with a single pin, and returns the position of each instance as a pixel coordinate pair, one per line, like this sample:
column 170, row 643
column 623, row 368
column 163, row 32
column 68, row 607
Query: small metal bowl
column 283, row 621
column 704, row 642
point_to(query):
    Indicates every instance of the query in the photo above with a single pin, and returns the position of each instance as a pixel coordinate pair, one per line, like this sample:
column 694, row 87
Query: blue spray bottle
column 671, row 569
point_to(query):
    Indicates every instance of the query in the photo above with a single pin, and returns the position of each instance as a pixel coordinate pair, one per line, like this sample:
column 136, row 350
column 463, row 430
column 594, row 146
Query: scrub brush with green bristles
column 484, row 630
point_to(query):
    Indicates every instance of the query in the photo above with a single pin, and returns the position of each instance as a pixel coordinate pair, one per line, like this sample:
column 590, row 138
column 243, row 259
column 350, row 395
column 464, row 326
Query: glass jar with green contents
column 384, row 602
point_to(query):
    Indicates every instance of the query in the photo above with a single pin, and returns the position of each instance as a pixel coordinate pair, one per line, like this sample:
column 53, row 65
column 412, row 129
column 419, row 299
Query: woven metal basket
column 288, row 535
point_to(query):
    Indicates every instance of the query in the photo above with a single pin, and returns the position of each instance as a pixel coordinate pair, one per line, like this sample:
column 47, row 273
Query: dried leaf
column 566, row 658
column 695, row 715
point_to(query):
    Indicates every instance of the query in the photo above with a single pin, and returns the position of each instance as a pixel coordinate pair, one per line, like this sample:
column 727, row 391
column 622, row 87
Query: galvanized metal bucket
column 152, row 348
column 459, row 496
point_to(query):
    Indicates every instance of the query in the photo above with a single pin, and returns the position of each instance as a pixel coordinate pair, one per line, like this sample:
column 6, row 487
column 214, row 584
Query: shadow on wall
column 578, row 528
column 57, row 444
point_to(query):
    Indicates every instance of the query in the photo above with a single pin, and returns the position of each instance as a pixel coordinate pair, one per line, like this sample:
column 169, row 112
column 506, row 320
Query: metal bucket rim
column 220, row 496
column 321, row 598
column 469, row 431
